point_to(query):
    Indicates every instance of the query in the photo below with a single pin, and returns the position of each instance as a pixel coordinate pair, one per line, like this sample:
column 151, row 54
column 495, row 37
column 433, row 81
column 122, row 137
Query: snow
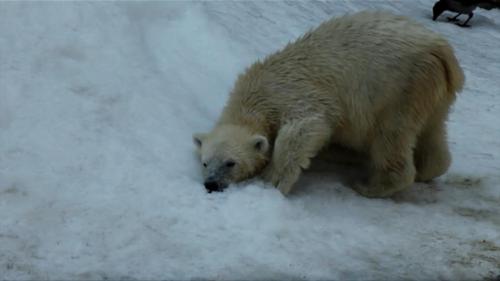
column 99, row 180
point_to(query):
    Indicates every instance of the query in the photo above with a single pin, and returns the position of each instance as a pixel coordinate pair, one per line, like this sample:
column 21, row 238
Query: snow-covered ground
column 99, row 180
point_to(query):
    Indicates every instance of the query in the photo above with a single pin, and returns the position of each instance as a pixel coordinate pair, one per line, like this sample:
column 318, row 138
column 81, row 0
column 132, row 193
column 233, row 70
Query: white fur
column 375, row 82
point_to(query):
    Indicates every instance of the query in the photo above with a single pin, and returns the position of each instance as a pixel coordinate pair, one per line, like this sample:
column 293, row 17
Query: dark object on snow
column 462, row 7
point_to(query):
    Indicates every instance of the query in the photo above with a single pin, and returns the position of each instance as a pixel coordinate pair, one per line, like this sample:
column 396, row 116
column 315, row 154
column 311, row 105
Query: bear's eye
column 205, row 164
column 230, row 164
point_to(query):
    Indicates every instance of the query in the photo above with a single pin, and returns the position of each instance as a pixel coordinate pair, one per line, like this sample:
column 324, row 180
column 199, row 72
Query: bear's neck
column 247, row 106
column 253, row 121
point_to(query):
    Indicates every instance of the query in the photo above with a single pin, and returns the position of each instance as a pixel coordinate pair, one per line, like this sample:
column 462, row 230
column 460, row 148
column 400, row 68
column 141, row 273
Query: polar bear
column 377, row 83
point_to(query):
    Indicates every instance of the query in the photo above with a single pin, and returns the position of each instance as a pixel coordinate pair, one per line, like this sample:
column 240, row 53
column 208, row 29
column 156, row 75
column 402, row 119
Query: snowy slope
column 99, row 180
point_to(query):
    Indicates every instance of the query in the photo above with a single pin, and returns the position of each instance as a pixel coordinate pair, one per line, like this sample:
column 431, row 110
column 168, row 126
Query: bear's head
column 230, row 154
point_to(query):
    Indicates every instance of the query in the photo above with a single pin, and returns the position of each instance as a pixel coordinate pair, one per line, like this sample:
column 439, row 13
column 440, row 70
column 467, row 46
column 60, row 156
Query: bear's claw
column 283, row 179
column 365, row 191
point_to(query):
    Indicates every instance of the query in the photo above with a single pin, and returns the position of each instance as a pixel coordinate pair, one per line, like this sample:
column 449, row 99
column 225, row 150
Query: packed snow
column 99, row 179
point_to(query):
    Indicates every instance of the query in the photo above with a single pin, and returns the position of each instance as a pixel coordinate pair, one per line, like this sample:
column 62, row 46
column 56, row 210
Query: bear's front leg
column 296, row 143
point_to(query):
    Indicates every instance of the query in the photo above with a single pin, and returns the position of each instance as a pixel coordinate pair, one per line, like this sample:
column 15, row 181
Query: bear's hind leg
column 392, row 167
column 432, row 156
column 296, row 143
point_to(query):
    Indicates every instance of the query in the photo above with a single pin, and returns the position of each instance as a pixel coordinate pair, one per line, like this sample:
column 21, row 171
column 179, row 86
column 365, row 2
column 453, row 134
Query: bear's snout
column 213, row 186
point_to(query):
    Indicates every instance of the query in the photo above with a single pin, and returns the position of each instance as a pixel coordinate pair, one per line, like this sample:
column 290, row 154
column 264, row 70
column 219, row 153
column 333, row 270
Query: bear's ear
column 260, row 143
column 198, row 139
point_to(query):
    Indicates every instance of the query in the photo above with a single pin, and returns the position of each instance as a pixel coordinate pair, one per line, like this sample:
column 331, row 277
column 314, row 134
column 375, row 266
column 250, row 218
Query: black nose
column 212, row 186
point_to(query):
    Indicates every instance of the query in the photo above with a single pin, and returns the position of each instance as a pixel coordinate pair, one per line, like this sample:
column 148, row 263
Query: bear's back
column 349, row 45
column 371, row 55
